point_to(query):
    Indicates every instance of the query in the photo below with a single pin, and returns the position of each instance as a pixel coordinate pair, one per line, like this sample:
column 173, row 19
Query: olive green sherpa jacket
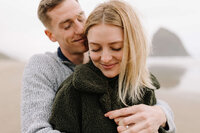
column 85, row 97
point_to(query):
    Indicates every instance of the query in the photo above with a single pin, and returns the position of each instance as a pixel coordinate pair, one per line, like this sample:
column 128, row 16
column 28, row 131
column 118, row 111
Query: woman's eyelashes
column 99, row 49
column 95, row 49
column 116, row 49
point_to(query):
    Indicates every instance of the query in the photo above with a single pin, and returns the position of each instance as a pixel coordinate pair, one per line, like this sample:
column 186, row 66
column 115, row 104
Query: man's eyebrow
column 81, row 13
column 68, row 20
column 65, row 21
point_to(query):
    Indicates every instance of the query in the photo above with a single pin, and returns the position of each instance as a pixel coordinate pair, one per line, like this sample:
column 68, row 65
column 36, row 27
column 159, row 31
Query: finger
column 132, row 119
column 117, row 113
column 133, row 130
column 136, row 128
column 142, row 127
column 118, row 119
column 142, row 131
column 121, row 128
column 121, row 112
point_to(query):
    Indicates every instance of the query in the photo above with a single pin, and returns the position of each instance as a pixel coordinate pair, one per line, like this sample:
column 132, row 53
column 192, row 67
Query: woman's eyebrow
column 95, row 43
column 114, row 42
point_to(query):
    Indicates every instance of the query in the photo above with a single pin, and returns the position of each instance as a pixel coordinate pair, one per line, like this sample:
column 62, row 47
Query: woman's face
column 106, row 48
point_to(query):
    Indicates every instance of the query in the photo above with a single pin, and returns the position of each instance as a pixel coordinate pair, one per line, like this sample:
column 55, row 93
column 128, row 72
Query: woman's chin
column 110, row 75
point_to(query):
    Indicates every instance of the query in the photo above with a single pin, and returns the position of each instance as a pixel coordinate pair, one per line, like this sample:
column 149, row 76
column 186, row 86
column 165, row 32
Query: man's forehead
column 67, row 6
column 66, row 10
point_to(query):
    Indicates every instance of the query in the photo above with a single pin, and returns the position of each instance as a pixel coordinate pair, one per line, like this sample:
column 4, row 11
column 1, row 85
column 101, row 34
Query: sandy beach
column 10, row 84
column 184, row 103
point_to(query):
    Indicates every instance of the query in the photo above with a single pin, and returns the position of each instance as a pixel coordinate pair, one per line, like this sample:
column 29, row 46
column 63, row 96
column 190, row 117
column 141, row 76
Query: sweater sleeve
column 169, row 116
column 38, row 92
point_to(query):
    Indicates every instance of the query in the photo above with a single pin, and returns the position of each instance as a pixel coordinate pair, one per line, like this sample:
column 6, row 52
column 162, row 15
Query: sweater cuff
column 170, row 125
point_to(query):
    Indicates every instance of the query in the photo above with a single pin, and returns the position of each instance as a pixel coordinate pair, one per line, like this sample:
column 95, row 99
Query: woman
column 115, row 77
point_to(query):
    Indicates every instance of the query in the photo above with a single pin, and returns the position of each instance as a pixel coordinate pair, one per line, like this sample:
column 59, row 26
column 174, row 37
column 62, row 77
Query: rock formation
column 166, row 43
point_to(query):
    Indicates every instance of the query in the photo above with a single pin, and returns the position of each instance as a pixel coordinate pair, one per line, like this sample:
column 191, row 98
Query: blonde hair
column 134, row 75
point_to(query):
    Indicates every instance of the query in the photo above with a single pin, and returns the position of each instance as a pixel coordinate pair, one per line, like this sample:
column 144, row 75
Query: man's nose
column 106, row 56
column 78, row 27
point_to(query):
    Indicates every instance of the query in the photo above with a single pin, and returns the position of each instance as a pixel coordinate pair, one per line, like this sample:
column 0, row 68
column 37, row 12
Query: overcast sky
column 22, row 33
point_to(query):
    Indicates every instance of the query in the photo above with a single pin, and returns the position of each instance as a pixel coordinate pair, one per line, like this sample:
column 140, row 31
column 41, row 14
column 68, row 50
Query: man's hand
column 138, row 119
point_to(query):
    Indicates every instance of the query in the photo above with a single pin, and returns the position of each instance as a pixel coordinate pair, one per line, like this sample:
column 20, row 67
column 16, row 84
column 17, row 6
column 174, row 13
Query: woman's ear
column 50, row 35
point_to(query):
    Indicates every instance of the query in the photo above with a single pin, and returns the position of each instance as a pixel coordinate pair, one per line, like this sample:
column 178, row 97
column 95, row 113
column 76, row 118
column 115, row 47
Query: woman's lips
column 110, row 66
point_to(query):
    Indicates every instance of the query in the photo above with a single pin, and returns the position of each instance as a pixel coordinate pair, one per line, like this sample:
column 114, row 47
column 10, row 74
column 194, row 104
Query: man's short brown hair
column 44, row 7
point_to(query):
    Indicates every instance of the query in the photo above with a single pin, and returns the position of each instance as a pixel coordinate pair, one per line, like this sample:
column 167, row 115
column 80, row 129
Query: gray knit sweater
column 42, row 76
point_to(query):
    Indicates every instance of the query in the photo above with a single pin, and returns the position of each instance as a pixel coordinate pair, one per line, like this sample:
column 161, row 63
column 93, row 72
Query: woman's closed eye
column 95, row 49
column 116, row 49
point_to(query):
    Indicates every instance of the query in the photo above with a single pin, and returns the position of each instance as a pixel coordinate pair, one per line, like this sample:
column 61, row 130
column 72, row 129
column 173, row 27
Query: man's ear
column 50, row 35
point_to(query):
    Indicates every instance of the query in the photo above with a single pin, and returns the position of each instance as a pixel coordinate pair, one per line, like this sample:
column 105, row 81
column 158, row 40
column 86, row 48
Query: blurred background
column 172, row 26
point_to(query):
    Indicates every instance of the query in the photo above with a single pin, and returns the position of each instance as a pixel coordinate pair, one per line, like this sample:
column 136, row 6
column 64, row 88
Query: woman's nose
column 106, row 56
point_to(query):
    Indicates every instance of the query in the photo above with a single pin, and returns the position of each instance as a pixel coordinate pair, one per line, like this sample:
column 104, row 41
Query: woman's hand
column 138, row 119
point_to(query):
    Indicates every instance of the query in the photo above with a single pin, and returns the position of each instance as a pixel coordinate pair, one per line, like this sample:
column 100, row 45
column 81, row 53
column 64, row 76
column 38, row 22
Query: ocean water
column 177, row 73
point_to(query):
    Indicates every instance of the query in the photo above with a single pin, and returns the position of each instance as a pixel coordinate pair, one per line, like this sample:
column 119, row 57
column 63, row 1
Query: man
column 44, row 73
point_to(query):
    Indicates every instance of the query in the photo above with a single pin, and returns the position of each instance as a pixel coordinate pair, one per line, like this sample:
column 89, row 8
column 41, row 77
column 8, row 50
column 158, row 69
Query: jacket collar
column 65, row 60
column 88, row 78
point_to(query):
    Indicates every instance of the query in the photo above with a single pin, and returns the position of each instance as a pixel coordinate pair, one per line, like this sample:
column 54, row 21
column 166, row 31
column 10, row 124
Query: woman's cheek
column 94, row 56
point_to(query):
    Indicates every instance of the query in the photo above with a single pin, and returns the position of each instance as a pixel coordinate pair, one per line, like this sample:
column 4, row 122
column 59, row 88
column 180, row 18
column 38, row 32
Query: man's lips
column 79, row 40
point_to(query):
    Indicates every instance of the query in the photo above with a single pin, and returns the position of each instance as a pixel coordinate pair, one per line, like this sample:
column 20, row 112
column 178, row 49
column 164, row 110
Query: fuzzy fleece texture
column 85, row 97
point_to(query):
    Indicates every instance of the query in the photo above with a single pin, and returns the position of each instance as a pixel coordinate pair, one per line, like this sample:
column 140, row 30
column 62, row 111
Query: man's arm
column 143, row 118
column 37, row 96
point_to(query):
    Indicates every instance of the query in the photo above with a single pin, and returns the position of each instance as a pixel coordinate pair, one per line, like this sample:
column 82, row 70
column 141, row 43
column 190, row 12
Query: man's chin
column 84, row 48
column 80, row 52
column 80, row 48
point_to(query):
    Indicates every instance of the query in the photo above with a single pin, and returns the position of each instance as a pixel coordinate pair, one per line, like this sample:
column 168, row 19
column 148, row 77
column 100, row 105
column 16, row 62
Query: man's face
column 67, row 27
